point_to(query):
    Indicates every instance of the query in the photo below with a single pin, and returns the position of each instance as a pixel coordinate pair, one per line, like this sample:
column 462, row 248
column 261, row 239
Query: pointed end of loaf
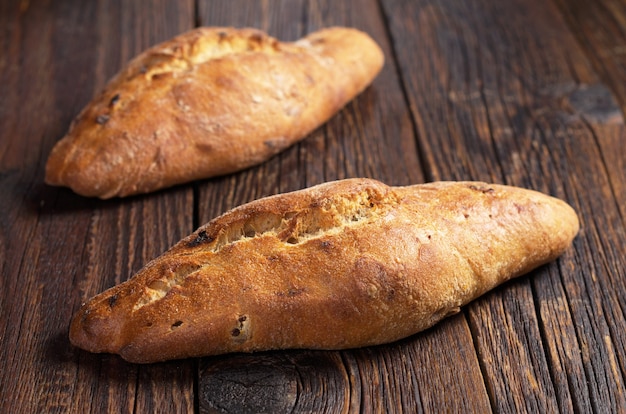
column 95, row 328
column 83, row 173
column 563, row 224
column 540, row 227
column 55, row 166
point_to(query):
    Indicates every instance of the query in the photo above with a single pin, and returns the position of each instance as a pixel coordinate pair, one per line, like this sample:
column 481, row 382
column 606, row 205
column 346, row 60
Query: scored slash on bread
column 209, row 102
column 345, row 264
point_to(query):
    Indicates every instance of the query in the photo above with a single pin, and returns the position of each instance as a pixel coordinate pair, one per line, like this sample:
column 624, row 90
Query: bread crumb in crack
column 158, row 288
column 321, row 217
column 183, row 55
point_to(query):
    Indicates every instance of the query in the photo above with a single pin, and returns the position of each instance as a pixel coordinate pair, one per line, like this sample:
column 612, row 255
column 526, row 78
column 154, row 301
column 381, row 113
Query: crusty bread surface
column 340, row 265
column 209, row 102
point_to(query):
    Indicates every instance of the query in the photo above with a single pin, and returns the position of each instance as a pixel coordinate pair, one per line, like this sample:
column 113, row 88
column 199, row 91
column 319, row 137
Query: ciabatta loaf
column 209, row 102
column 340, row 265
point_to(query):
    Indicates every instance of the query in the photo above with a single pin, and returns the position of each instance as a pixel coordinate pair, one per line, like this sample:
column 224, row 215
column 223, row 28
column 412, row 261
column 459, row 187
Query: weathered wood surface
column 523, row 92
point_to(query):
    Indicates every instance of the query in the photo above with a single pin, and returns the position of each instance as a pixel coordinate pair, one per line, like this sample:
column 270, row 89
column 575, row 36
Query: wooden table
column 522, row 92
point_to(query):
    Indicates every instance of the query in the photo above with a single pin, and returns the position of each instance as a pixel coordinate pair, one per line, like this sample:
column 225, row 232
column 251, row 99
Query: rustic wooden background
column 523, row 92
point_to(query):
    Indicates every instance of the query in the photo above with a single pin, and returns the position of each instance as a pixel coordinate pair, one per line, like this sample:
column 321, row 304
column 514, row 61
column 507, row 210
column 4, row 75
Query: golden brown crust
column 209, row 102
column 344, row 264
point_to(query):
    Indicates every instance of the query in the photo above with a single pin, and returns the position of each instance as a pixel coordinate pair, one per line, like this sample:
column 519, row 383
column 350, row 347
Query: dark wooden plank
column 373, row 136
column 489, row 84
column 25, row 296
column 600, row 28
column 58, row 248
column 290, row 381
column 433, row 370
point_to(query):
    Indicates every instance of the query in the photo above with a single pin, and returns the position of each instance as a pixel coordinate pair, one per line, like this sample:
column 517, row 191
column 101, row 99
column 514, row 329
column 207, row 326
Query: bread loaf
column 344, row 264
column 209, row 102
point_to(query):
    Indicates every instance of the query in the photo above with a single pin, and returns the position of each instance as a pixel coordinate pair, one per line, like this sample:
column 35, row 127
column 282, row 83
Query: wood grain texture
column 57, row 248
column 523, row 92
column 276, row 382
column 599, row 27
column 501, row 76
